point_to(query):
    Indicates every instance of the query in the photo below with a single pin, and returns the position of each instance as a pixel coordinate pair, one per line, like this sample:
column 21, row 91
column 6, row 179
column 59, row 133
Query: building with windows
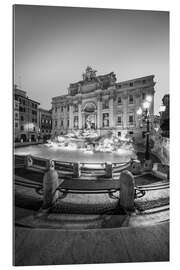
column 27, row 116
column 100, row 103
column 16, row 119
column 45, row 123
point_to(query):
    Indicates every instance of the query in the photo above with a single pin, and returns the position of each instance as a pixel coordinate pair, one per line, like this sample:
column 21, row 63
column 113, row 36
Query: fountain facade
column 100, row 103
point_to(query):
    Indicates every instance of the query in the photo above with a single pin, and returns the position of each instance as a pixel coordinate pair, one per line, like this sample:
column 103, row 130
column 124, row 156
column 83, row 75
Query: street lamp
column 145, row 115
column 162, row 108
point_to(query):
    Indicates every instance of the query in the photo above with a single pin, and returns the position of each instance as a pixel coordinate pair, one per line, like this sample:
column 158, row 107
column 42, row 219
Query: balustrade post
column 109, row 170
column 28, row 161
column 76, row 170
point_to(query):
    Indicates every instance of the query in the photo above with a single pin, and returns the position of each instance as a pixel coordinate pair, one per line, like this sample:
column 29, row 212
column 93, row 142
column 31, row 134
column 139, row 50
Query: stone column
column 111, row 108
column 99, row 111
column 138, row 105
column 125, row 110
column 70, row 116
column 111, row 118
column 79, row 115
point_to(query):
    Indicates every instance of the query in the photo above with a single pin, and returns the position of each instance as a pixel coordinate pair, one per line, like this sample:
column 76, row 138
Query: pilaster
column 125, row 109
column 70, row 115
column 99, row 111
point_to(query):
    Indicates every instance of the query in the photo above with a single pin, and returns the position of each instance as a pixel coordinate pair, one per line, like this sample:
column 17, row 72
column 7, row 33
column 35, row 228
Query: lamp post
column 145, row 115
column 162, row 109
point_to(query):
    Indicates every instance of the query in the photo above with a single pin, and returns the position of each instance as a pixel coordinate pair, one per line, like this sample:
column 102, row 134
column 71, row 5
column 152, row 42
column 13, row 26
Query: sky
column 54, row 45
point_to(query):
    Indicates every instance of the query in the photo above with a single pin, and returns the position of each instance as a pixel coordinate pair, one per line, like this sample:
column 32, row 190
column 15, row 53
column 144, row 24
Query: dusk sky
column 54, row 45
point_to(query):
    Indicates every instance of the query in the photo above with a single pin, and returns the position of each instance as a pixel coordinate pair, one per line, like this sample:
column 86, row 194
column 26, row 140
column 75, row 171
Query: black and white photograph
column 91, row 135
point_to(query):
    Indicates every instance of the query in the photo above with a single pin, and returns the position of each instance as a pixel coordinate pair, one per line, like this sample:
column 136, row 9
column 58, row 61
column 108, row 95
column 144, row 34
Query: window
column 68, row 108
column 35, row 106
column 55, row 109
column 119, row 134
column 22, row 118
column 16, row 125
column 119, row 120
column 55, row 123
column 105, row 119
column 22, row 109
column 75, row 107
column 144, row 81
column 75, row 121
column 22, row 127
column 131, row 99
column 68, row 123
column 34, row 112
column 131, row 84
column 16, row 115
column 143, row 96
column 119, row 100
column 34, row 129
column 131, row 120
column 105, row 104
column 61, row 108
column 61, row 123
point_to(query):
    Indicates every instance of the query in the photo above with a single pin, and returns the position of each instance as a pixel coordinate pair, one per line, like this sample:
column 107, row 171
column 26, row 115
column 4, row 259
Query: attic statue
column 89, row 74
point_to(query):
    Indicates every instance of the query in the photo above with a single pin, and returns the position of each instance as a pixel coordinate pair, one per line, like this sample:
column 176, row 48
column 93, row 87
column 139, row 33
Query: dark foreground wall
column 47, row 246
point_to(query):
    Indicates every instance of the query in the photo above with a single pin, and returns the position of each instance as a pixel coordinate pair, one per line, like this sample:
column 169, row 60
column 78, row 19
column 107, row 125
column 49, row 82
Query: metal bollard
column 50, row 184
column 109, row 170
column 127, row 184
column 76, row 170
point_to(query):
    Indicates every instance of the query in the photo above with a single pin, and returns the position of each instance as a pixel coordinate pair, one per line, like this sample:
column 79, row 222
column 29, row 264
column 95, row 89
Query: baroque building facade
column 102, row 104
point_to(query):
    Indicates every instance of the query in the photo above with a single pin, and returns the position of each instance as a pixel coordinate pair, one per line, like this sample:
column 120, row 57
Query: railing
column 74, row 169
column 19, row 161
